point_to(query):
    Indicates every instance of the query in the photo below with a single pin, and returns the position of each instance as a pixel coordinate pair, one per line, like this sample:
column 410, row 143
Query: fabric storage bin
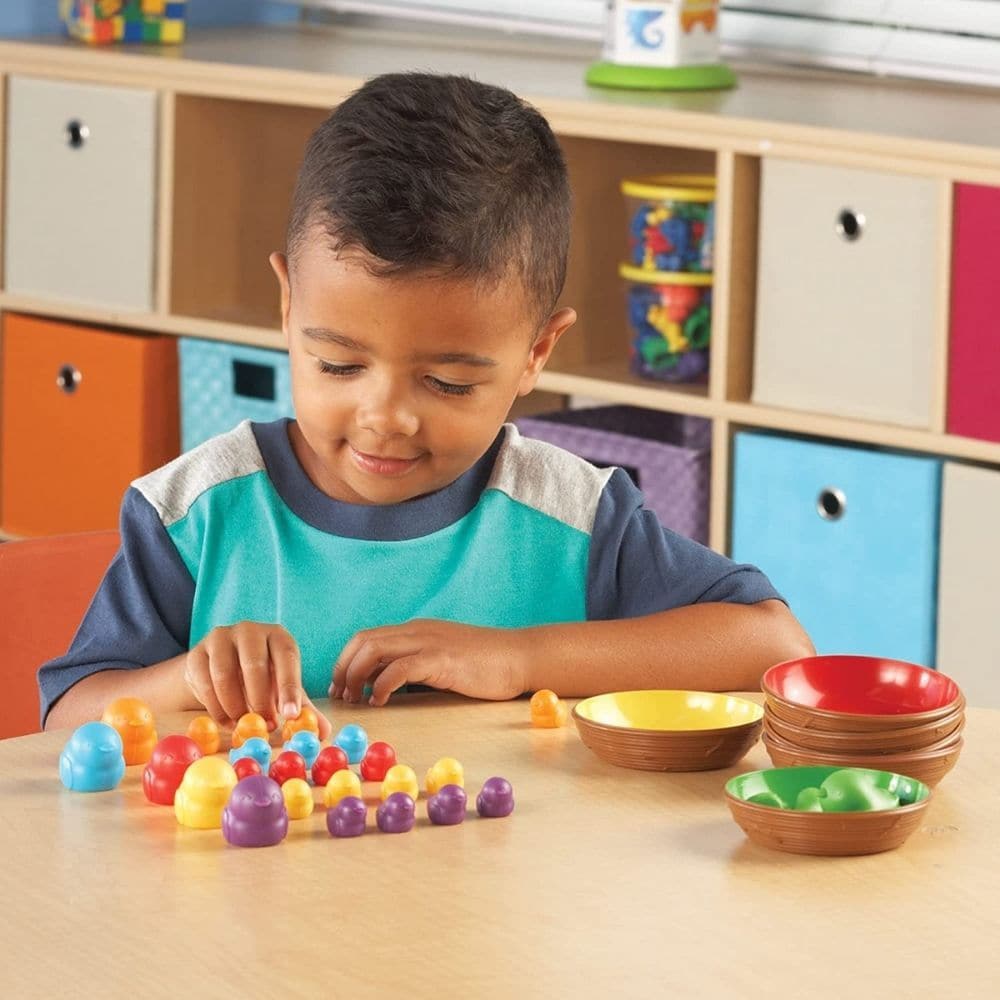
column 223, row 384
column 974, row 355
column 849, row 536
column 80, row 193
column 847, row 291
column 666, row 454
column 84, row 412
column 968, row 641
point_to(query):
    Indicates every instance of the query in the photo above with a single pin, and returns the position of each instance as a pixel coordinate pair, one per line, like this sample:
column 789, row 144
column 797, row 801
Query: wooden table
column 604, row 882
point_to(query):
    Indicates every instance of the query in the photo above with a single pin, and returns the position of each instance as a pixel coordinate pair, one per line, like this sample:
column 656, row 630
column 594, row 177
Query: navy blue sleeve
column 141, row 613
column 638, row 567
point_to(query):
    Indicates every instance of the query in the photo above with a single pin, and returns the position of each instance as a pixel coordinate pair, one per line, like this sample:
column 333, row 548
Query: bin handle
column 850, row 225
column 68, row 378
column 831, row 503
column 77, row 134
column 254, row 381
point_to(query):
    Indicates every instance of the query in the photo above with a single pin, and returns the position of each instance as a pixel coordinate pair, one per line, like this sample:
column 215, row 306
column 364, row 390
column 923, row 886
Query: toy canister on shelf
column 661, row 45
column 670, row 314
column 671, row 221
column 103, row 21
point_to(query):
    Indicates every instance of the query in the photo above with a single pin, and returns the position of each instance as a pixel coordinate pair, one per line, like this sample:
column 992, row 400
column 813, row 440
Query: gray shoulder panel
column 549, row 479
column 173, row 488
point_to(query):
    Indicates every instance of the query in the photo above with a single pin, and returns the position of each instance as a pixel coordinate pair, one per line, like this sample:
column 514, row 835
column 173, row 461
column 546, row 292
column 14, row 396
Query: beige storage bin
column 968, row 632
column 81, row 182
column 846, row 292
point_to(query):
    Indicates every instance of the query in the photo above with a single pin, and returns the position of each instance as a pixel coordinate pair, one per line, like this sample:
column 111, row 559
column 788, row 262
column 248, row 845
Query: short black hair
column 439, row 174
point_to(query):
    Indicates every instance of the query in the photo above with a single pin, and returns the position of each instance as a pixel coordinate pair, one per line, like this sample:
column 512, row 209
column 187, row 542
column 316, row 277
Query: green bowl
column 780, row 787
column 763, row 805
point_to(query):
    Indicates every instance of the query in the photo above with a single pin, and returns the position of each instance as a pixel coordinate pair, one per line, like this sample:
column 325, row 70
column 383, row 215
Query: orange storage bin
column 84, row 412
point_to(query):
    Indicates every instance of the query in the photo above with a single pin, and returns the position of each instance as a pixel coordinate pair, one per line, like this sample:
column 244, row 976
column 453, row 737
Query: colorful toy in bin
column 671, row 221
column 661, row 45
column 670, row 314
column 101, row 22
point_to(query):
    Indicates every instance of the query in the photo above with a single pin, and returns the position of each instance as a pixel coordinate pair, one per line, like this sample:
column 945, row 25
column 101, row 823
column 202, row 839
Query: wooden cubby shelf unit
column 235, row 107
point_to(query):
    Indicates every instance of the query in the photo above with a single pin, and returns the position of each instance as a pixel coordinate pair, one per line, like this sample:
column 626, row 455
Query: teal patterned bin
column 224, row 384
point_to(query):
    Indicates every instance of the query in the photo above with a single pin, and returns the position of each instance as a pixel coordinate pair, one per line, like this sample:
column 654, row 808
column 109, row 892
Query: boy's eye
column 326, row 368
column 449, row 388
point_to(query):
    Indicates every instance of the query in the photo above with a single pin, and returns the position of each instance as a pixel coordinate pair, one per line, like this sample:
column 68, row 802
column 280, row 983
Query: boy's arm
column 704, row 647
column 140, row 616
column 161, row 686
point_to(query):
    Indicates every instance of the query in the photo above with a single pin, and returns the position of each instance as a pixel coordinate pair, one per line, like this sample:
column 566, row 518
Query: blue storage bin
column 849, row 536
column 223, row 384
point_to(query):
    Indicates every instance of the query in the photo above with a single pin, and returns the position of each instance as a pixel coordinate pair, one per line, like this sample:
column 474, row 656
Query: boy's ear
column 279, row 264
column 555, row 326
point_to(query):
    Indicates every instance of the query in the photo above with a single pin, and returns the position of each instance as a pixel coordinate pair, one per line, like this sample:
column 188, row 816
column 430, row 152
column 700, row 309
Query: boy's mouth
column 382, row 465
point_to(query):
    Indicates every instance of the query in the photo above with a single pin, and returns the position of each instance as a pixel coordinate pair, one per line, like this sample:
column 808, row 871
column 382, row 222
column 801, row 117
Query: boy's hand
column 249, row 667
column 479, row 662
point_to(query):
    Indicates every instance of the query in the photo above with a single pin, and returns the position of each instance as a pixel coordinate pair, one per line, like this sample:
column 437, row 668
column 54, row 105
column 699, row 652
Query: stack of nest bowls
column 863, row 711
column 669, row 730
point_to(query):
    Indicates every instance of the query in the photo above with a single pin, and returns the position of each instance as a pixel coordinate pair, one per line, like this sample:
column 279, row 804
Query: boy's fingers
column 340, row 667
column 287, row 667
column 224, row 669
column 325, row 727
column 394, row 676
column 255, row 665
column 198, row 679
column 373, row 655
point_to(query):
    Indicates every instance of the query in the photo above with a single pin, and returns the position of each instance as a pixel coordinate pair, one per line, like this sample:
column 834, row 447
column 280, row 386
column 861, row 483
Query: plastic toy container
column 670, row 316
column 224, row 384
column 666, row 454
column 101, row 22
column 671, row 222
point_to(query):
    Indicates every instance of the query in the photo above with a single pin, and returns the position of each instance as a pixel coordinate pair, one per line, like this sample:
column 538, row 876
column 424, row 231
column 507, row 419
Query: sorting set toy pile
column 861, row 803
column 252, row 797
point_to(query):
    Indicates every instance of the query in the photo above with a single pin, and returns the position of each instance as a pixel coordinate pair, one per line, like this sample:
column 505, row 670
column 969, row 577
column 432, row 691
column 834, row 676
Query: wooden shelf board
column 780, row 111
column 611, row 380
column 181, row 326
column 860, row 431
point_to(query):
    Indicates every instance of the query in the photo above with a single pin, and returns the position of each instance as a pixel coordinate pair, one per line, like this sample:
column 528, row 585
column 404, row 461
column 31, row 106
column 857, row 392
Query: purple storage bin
column 666, row 454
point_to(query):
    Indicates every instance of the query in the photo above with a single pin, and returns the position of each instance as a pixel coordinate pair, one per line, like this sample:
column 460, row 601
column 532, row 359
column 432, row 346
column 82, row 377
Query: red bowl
column 860, row 685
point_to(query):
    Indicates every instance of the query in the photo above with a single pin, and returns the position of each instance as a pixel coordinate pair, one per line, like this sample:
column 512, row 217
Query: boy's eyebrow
column 330, row 337
column 327, row 336
column 458, row 359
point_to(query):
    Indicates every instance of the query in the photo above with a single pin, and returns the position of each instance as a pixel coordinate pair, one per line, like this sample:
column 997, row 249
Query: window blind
column 946, row 39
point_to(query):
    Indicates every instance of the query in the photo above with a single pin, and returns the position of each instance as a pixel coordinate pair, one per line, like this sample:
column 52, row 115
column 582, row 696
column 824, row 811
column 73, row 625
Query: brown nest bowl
column 669, row 730
column 928, row 766
column 841, row 693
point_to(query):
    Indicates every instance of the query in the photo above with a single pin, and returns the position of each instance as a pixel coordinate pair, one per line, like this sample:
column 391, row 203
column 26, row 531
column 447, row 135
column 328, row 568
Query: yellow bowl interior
column 669, row 711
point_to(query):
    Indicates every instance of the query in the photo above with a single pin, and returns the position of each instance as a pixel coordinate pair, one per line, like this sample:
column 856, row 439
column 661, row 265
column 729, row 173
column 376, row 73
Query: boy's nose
column 387, row 414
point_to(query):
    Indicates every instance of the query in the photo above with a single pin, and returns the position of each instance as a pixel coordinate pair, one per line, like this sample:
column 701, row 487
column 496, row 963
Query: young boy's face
column 401, row 383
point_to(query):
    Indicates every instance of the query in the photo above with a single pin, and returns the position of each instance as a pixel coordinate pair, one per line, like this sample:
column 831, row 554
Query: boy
column 397, row 530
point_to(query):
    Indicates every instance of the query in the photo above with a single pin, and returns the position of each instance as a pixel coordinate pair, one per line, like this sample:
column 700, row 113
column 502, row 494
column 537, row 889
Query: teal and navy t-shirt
column 236, row 531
